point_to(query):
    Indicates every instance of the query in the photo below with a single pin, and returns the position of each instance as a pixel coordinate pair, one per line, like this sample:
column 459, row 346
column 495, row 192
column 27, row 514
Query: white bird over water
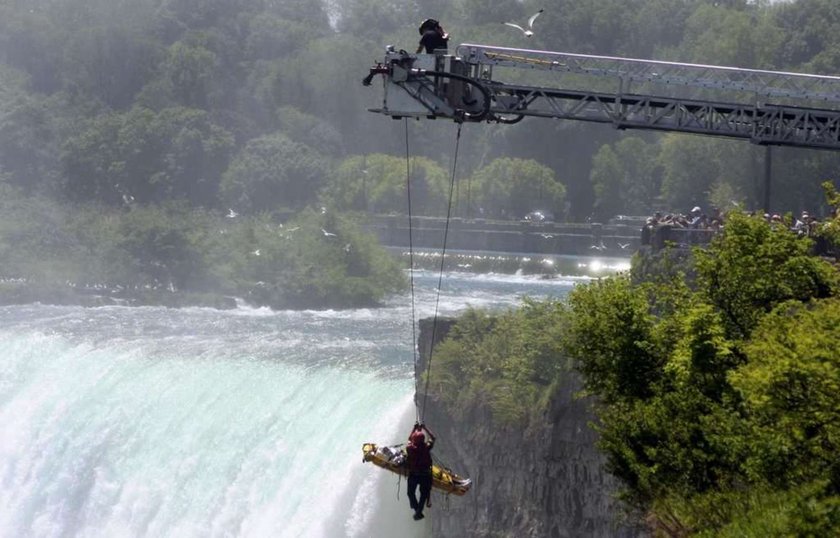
column 327, row 234
column 529, row 32
column 232, row 214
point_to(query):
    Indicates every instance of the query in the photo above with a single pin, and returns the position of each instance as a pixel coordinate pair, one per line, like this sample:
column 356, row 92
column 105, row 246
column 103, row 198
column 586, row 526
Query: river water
column 159, row 422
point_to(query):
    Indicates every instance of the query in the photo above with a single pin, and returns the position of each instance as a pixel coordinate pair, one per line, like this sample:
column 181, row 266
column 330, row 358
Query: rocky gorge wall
column 543, row 479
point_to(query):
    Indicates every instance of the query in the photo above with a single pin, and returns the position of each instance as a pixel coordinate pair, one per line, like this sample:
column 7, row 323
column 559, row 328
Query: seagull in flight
column 623, row 245
column 327, row 234
column 232, row 214
column 529, row 32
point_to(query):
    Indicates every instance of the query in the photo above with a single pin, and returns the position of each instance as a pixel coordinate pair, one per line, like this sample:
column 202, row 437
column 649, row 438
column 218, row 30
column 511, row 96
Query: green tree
column 507, row 362
column 809, row 35
column 272, row 172
column 29, row 42
column 790, row 385
column 154, row 248
column 322, row 79
column 513, row 187
column 752, row 267
column 610, row 335
column 741, row 37
column 829, row 231
column 316, row 260
column 696, row 413
column 28, row 138
column 626, row 177
column 377, row 183
column 189, row 69
column 111, row 62
column 311, row 130
column 694, row 168
column 147, row 156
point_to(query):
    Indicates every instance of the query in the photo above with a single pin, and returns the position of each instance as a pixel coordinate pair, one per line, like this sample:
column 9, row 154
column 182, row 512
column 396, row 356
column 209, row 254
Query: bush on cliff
column 711, row 393
column 506, row 362
column 716, row 393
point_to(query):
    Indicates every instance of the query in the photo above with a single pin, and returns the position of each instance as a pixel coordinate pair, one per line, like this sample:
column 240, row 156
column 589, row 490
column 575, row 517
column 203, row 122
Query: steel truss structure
column 463, row 88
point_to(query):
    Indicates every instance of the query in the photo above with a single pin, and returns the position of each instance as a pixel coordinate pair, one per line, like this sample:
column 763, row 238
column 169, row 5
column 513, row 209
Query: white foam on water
column 129, row 422
column 105, row 441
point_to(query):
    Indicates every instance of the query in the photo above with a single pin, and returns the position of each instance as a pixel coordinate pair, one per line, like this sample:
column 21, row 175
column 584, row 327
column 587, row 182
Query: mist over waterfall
column 197, row 422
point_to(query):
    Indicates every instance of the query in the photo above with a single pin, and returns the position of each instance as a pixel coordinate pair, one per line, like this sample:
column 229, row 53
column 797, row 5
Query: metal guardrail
column 755, row 81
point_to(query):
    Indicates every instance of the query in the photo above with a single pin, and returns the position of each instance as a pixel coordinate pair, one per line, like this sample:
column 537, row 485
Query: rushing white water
column 193, row 423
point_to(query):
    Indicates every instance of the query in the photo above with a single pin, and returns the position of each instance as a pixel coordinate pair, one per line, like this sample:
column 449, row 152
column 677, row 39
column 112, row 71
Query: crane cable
column 440, row 273
column 420, row 414
column 411, row 262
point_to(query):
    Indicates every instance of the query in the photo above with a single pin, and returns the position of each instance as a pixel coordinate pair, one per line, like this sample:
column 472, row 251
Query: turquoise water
column 195, row 422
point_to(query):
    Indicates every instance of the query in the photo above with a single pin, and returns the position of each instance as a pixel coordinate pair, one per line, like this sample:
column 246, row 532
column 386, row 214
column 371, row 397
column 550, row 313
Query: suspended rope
column 440, row 273
column 411, row 262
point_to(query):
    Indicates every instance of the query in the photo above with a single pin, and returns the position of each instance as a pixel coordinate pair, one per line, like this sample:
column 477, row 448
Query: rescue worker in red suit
column 419, row 461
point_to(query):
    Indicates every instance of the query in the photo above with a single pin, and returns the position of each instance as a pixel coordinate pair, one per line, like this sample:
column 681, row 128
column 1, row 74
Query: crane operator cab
column 429, row 86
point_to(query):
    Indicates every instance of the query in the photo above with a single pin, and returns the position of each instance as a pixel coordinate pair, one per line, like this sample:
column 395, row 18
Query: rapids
column 159, row 422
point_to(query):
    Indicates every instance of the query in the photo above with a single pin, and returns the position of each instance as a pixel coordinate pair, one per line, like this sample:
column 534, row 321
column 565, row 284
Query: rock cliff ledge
column 545, row 479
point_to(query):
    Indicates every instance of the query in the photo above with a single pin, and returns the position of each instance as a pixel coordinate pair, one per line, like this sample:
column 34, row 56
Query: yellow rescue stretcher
column 392, row 458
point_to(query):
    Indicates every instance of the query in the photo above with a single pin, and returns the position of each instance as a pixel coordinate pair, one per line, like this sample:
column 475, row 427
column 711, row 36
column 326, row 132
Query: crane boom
column 764, row 107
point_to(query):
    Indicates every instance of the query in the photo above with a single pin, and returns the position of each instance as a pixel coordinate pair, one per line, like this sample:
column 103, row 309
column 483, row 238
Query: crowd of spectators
column 697, row 227
column 696, row 219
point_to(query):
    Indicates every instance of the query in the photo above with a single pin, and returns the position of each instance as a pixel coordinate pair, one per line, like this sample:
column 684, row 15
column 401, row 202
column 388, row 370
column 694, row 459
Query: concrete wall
column 508, row 236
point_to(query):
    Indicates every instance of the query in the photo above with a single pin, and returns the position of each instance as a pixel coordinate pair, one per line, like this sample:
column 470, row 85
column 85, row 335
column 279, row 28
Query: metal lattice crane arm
column 764, row 107
column 763, row 83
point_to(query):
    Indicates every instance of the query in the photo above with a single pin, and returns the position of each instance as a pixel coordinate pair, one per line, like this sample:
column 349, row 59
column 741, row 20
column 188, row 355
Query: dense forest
column 210, row 108
column 258, row 104
column 714, row 379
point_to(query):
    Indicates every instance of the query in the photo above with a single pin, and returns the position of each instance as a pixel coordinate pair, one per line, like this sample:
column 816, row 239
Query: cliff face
column 544, row 479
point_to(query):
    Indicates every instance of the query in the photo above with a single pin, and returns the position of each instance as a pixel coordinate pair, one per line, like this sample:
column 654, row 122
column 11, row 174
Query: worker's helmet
column 428, row 24
column 418, row 438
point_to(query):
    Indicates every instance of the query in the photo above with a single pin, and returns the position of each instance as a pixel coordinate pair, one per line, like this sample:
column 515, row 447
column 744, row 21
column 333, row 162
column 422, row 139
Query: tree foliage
column 258, row 68
column 150, row 156
column 514, row 187
column 626, row 177
column 135, row 103
column 754, row 267
column 505, row 362
column 713, row 391
column 273, row 172
column 377, row 183
column 715, row 382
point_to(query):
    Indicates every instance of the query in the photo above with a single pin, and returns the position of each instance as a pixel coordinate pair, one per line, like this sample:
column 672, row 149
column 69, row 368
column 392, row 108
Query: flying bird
column 529, row 32
column 327, row 234
column 232, row 214
column 624, row 245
